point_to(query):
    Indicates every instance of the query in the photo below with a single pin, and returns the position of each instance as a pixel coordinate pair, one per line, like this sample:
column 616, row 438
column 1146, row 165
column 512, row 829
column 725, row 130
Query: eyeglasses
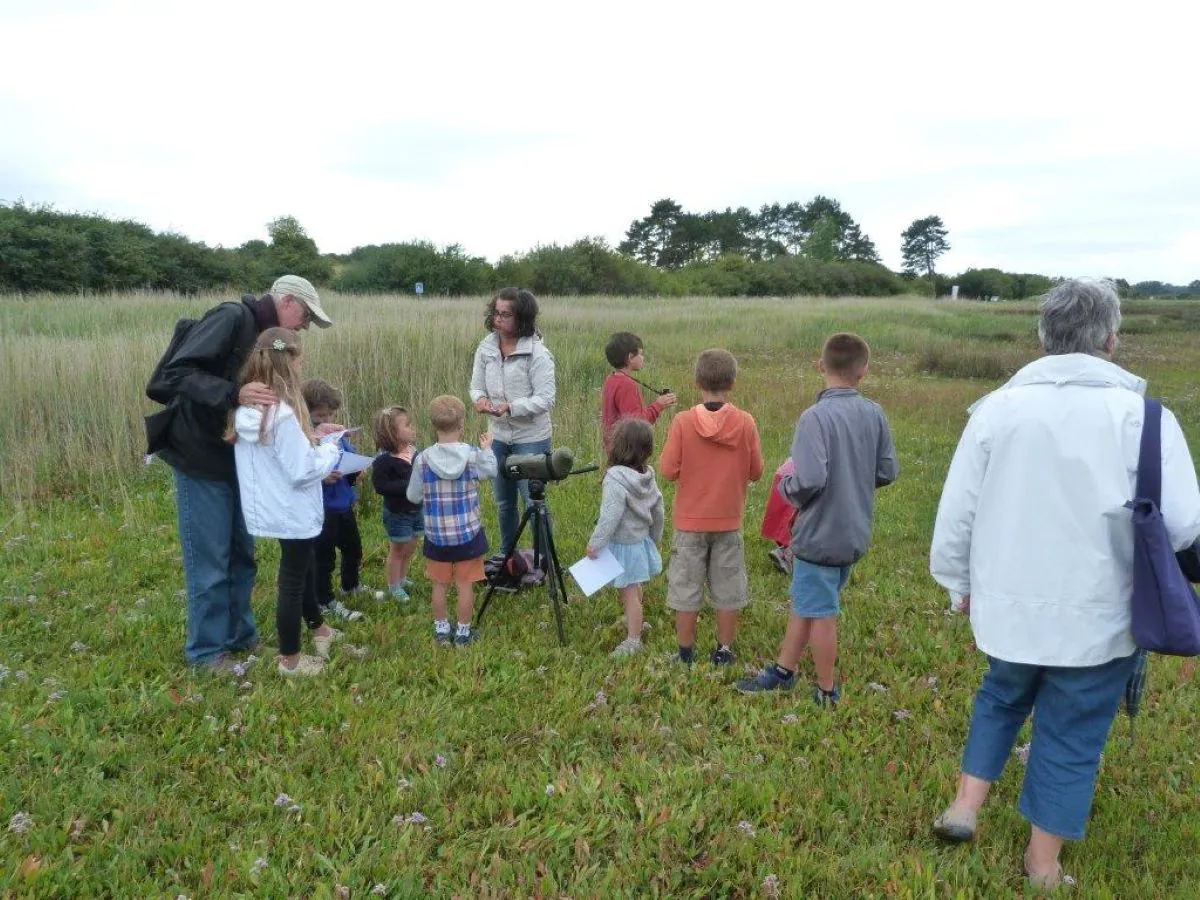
column 504, row 314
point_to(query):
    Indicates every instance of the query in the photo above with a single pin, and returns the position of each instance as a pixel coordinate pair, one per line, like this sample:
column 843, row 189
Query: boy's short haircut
column 386, row 436
column 620, row 347
column 321, row 395
column 845, row 353
column 716, row 370
column 447, row 413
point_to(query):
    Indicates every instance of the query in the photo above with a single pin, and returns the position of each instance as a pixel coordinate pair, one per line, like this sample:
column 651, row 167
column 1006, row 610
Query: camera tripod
column 545, row 555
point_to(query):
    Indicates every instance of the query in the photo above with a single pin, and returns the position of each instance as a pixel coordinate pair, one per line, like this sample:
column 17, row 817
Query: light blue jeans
column 218, row 567
column 1073, row 710
column 506, row 490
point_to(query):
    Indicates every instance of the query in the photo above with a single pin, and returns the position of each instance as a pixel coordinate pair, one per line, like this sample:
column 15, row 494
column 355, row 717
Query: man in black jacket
column 199, row 384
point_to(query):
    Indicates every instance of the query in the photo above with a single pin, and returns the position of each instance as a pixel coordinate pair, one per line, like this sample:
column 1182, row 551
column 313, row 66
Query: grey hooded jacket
column 631, row 509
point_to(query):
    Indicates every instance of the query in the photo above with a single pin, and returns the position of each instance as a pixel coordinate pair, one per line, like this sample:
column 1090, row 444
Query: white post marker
column 419, row 288
column 954, row 292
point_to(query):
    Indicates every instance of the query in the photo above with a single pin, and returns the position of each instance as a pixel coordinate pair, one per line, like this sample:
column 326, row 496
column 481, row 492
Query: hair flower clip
column 278, row 344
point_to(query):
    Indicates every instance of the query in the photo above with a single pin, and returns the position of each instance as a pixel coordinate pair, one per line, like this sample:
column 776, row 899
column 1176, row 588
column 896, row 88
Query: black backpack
column 158, row 425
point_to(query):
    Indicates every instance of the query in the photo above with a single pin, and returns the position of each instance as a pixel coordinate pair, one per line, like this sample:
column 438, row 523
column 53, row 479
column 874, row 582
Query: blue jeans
column 506, row 490
column 1073, row 710
column 218, row 566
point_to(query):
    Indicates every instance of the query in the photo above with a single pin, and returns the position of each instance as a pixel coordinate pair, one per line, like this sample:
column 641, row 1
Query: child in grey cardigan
column 631, row 521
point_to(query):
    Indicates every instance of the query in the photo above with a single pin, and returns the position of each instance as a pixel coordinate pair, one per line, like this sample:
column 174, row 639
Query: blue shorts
column 403, row 527
column 816, row 590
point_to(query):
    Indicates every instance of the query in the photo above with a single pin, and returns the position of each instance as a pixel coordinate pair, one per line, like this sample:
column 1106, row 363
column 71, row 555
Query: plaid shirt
column 452, row 514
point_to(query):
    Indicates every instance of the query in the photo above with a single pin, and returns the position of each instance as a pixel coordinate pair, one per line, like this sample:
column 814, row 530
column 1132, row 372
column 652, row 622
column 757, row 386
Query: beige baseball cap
column 303, row 290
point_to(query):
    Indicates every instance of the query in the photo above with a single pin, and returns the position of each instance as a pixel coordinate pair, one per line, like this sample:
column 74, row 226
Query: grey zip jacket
column 631, row 508
column 524, row 380
column 842, row 452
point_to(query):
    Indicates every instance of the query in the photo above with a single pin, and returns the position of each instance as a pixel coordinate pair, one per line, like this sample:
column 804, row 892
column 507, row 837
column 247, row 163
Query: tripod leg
column 554, row 582
column 487, row 598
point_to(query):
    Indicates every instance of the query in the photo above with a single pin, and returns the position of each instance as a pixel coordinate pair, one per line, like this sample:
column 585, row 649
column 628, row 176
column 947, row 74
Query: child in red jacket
column 778, row 520
column 621, row 397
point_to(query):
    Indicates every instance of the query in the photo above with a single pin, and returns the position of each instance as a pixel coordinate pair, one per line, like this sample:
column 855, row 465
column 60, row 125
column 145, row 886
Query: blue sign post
column 419, row 288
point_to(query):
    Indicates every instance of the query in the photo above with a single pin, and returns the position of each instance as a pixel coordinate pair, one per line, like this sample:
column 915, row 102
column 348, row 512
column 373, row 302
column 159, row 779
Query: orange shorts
column 454, row 572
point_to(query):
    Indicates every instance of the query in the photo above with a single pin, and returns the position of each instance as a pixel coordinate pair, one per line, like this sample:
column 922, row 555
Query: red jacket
column 713, row 456
column 622, row 398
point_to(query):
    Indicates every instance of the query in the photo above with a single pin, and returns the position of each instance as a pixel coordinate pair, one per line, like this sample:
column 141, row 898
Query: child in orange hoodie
column 713, row 451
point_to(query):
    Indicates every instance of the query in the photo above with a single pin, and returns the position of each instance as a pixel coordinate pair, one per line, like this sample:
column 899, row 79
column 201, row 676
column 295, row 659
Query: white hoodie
column 1032, row 521
column 280, row 479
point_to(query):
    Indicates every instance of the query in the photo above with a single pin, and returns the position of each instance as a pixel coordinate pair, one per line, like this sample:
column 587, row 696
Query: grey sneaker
column 339, row 610
column 305, row 666
column 220, row 665
column 323, row 643
column 627, row 647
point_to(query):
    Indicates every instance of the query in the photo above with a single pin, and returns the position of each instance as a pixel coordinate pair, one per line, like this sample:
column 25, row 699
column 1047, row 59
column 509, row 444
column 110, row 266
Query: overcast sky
column 1050, row 136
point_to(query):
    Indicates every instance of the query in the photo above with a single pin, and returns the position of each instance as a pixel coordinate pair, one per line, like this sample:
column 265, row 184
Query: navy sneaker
column 768, row 679
column 464, row 640
column 826, row 698
column 443, row 638
column 723, row 655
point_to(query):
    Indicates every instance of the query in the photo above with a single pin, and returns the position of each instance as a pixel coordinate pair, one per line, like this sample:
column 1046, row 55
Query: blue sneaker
column 443, row 638
column 463, row 639
column 768, row 679
column 399, row 594
column 827, row 698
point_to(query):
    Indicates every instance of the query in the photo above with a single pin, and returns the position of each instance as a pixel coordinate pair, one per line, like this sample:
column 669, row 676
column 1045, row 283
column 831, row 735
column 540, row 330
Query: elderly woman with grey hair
column 1033, row 536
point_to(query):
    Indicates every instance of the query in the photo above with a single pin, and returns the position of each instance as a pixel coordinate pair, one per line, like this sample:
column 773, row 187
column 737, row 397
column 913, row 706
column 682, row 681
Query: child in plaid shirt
column 445, row 478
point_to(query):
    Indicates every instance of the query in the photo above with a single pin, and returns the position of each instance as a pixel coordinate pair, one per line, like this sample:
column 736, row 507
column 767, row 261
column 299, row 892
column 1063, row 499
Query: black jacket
column 390, row 476
column 200, row 382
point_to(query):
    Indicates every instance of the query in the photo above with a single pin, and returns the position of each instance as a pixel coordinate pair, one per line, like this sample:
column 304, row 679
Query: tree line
column 781, row 249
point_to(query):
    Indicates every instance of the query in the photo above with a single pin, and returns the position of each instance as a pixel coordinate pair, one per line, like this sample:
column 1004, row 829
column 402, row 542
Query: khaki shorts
column 717, row 557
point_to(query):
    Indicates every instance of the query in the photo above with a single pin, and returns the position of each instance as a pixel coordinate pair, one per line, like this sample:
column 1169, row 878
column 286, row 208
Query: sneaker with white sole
column 305, row 666
column 339, row 610
column 627, row 647
column 322, row 642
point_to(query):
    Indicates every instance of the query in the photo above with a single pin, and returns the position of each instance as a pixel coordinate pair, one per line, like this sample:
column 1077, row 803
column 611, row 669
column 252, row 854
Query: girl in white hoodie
column 631, row 521
column 280, row 466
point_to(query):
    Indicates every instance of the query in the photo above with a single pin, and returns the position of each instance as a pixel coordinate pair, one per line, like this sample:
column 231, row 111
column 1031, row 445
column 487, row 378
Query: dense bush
column 396, row 268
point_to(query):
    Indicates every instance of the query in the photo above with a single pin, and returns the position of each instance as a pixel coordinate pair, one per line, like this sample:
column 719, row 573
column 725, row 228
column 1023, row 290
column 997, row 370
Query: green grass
column 143, row 779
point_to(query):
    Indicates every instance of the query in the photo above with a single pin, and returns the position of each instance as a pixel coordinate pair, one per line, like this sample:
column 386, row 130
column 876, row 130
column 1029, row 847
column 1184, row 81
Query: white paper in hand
column 335, row 436
column 354, row 462
column 593, row 574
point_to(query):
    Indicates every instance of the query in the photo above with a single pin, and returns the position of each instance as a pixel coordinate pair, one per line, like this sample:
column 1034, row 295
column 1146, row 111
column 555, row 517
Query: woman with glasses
column 513, row 382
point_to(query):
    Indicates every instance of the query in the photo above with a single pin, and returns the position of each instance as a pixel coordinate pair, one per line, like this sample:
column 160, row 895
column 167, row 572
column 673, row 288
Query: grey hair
column 1079, row 316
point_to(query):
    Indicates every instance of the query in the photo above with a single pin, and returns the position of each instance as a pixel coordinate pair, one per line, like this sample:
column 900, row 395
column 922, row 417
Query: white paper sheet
column 338, row 435
column 593, row 574
column 354, row 462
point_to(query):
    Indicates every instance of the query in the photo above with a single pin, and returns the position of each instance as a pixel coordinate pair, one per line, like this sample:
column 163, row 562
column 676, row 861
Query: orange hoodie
column 713, row 455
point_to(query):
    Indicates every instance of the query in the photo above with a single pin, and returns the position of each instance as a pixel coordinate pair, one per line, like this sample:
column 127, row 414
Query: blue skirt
column 641, row 562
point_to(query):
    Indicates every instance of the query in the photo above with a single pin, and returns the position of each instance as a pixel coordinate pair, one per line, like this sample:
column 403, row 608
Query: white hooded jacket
column 1032, row 522
column 280, row 478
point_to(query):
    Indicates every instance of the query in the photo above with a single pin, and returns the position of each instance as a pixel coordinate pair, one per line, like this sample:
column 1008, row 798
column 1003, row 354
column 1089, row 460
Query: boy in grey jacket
column 842, row 452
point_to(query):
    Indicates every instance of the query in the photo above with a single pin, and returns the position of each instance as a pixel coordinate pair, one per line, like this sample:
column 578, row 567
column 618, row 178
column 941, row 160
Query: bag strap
column 1149, row 473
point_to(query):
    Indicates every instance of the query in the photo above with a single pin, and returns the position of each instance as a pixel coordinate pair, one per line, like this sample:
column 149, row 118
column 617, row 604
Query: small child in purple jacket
column 340, row 531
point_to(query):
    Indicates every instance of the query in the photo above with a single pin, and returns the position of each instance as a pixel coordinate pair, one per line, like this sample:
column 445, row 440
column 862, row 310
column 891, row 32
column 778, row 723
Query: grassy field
column 517, row 768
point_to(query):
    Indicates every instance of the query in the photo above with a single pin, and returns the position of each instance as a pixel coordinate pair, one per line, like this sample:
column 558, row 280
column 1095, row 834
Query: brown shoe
column 956, row 825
